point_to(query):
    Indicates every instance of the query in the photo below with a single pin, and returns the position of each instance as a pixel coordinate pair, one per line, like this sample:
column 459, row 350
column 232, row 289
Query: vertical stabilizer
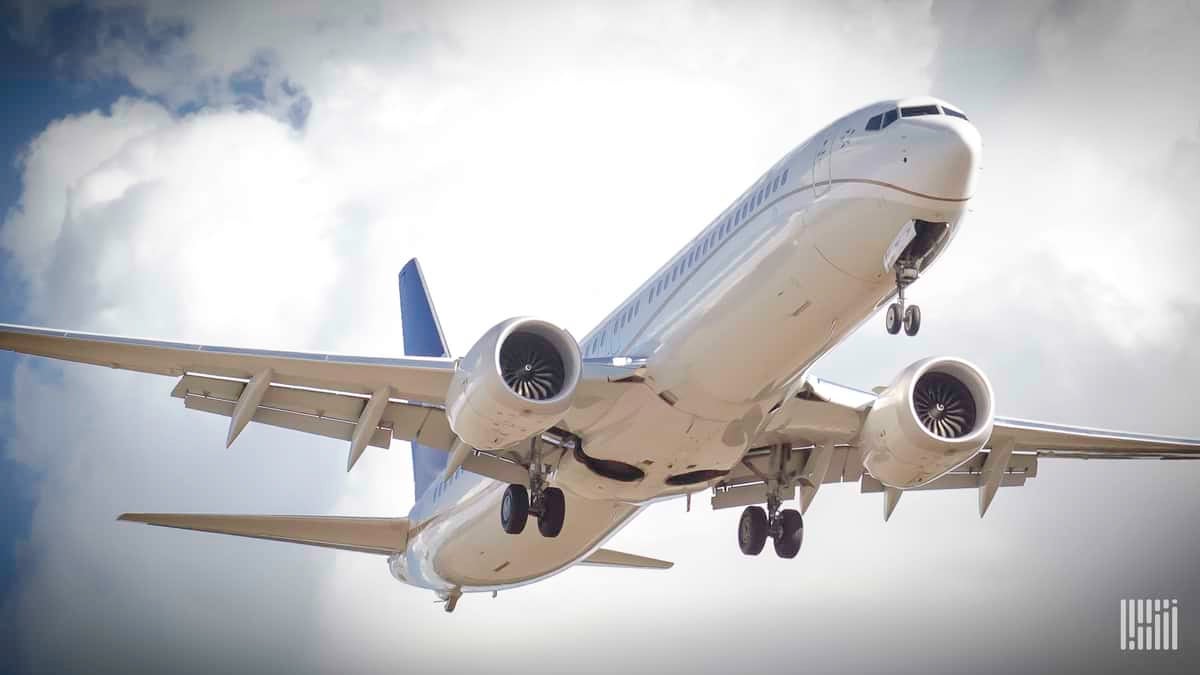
column 422, row 337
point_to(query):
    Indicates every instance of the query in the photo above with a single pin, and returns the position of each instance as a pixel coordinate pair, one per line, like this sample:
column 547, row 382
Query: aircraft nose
column 953, row 156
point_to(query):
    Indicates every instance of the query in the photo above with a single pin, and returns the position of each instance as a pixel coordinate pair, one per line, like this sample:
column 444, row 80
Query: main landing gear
column 897, row 314
column 786, row 527
column 547, row 504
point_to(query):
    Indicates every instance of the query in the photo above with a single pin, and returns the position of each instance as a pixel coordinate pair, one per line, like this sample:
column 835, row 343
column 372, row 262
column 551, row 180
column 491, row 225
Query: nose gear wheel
column 898, row 315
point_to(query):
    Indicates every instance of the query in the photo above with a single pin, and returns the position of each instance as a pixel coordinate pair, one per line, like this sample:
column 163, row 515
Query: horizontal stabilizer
column 604, row 557
column 382, row 536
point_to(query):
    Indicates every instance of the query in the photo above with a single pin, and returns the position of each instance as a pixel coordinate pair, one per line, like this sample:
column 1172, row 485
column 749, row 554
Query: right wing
column 363, row 400
column 366, row 401
column 412, row 378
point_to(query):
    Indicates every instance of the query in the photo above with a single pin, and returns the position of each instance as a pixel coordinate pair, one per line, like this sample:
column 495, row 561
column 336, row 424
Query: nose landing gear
column 897, row 314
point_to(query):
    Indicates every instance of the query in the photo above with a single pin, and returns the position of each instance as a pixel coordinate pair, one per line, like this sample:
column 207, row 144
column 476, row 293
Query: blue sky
column 39, row 83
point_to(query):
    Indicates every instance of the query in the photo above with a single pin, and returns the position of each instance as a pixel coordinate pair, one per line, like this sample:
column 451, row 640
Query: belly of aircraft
column 478, row 554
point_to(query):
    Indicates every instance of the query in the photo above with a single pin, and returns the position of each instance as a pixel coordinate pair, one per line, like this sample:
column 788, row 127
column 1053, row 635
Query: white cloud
column 532, row 156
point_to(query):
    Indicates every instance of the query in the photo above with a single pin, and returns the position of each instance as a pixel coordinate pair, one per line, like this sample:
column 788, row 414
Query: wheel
column 554, row 510
column 912, row 320
column 791, row 533
column 892, row 320
column 514, row 510
column 752, row 530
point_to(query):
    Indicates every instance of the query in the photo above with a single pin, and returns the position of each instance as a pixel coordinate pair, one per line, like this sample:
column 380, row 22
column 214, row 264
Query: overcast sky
column 256, row 174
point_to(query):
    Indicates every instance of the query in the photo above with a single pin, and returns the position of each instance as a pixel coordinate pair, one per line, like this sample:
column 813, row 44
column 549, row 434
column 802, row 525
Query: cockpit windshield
column 882, row 120
column 918, row 110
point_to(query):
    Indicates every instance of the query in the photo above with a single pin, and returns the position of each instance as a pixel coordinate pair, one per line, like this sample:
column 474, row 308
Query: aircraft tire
column 893, row 318
column 514, row 510
column 791, row 533
column 912, row 320
column 752, row 530
column 554, row 505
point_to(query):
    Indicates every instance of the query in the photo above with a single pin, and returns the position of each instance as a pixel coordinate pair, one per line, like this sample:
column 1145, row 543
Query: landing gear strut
column 785, row 527
column 450, row 599
column 547, row 504
column 897, row 314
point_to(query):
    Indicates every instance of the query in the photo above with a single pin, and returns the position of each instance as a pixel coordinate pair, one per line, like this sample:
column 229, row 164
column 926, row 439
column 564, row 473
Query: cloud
column 533, row 155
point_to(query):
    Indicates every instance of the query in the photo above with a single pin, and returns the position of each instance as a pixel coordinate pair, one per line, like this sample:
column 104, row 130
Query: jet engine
column 516, row 382
column 934, row 416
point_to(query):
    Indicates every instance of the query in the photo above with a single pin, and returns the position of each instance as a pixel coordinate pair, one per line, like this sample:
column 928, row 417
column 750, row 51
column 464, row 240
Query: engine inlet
column 531, row 366
column 944, row 405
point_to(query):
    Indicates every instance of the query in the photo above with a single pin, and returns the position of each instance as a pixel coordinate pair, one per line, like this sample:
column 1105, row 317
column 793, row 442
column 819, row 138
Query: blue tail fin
column 422, row 337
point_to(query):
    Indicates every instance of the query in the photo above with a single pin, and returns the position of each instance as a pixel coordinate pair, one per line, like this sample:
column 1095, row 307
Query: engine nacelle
column 934, row 416
column 517, row 381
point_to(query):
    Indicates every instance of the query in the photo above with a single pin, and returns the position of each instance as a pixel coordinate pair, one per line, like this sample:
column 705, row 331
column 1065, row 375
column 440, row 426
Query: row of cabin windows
column 741, row 214
column 444, row 484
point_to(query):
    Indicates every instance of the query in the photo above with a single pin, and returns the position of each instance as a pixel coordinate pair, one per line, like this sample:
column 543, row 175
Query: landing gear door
column 822, row 167
column 902, row 240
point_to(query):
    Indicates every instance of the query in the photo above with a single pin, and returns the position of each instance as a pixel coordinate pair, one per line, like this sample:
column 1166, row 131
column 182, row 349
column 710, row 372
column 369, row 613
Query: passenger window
column 783, row 177
column 873, row 123
column 888, row 118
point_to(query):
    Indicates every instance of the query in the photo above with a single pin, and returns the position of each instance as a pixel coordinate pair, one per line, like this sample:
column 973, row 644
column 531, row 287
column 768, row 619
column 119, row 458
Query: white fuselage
column 727, row 327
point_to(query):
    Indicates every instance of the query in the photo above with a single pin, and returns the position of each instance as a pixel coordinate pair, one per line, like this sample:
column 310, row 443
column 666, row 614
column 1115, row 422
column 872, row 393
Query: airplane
column 699, row 380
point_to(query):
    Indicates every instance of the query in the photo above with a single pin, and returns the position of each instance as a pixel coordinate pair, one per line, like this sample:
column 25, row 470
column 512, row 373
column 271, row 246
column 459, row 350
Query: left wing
column 1060, row 440
column 822, row 411
column 822, row 420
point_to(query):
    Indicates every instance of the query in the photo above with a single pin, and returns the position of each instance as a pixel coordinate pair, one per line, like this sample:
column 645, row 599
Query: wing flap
column 382, row 536
column 604, row 557
column 320, row 426
column 412, row 378
column 324, row 413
